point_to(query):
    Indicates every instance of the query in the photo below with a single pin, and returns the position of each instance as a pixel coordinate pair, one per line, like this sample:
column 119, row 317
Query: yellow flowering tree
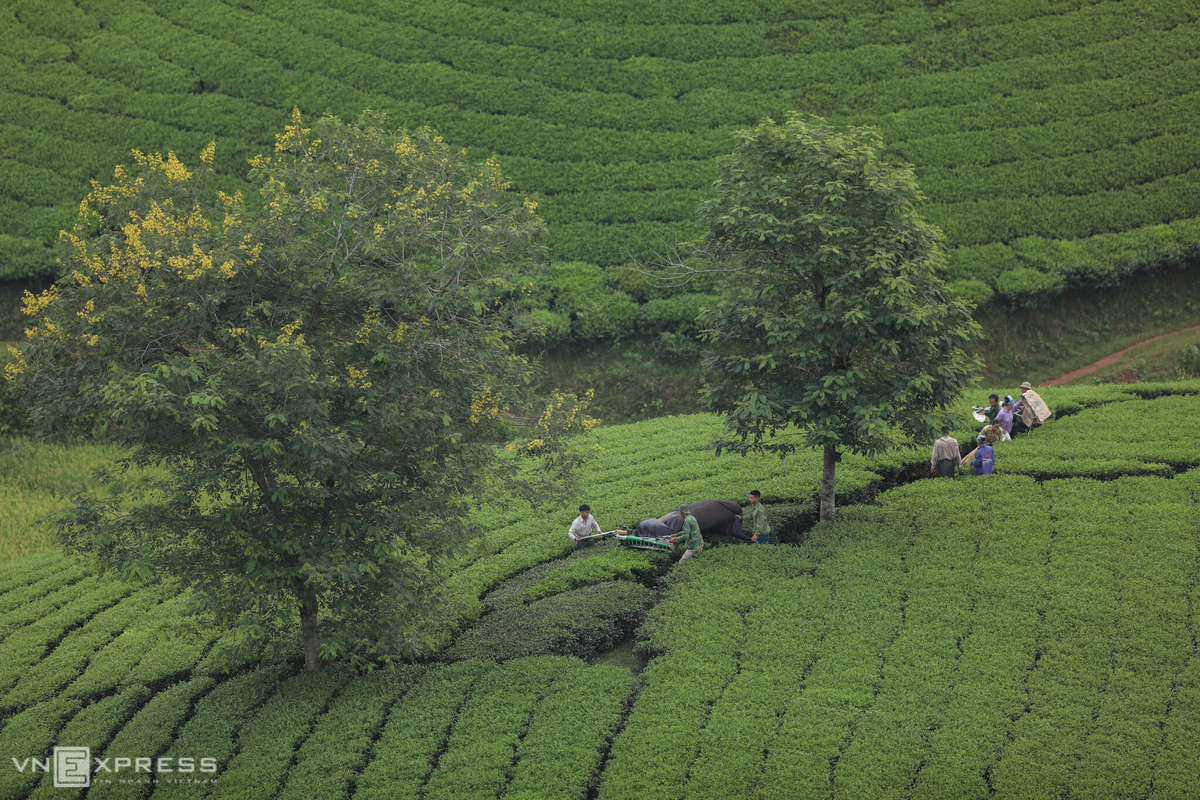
column 324, row 373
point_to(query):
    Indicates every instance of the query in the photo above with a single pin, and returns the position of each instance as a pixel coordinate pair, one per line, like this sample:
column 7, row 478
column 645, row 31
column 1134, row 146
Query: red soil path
column 1109, row 360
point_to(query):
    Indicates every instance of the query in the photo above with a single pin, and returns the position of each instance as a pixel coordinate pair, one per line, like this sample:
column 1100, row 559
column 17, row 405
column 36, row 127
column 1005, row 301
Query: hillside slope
column 1056, row 140
column 1026, row 635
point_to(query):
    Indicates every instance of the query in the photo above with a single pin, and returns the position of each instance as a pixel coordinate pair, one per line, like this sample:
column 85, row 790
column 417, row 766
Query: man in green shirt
column 754, row 521
column 692, row 540
column 993, row 408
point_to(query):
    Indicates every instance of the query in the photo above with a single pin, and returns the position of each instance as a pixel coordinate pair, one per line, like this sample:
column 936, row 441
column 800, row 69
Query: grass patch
column 1070, row 330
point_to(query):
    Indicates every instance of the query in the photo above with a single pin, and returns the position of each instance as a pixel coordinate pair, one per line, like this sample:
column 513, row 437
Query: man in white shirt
column 584, row 525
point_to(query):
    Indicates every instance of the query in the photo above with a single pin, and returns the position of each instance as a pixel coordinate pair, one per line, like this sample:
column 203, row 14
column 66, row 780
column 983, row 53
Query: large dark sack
column 653, row 529
column 714, row 517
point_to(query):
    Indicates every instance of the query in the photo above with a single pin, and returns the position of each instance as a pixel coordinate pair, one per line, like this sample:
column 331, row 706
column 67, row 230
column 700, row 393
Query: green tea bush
column 94, row 727
column 150, row 731
column 216, row 723
column 180, row 649
column 38, row 480
column 948, row 638
column 268, row 741
column 580, row 622
column 112, row 664
column 416, row 730
column 585, row 567
column 582, row 293
column 1015, row 115
column 34, row 609
column 531, row 727
column 487, row 734
column 29, row 733
column 335, row 752
column 1134, row 436
column 869, row 547
column 959, row 633
column 33, row 568
column 60, row 574
column 1173, row 774
column 553, row 328
column 676, row 313
column 713, row 611
column 1189, row 360
column 1093, row 662
column 642, row 470
column 562, row 747
column 25, row 647
column 50, row 673
column 490, row 79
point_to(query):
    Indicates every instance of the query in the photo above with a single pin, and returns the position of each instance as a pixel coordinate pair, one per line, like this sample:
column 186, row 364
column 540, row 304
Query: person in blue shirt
column 985, row 457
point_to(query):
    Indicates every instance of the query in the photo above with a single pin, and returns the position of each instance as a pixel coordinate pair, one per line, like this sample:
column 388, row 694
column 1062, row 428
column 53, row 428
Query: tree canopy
column 323, row 373
column 838, row 334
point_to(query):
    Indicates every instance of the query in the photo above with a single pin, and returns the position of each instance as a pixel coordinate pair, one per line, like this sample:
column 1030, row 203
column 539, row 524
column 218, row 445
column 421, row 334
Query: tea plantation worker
column 1005, row 415
column 993, row 433
column 944, row 459
column 690, row 534
column 1027, row 420
column 584, row 524
column 993, row 407
column 985, row 457
column 755, row 519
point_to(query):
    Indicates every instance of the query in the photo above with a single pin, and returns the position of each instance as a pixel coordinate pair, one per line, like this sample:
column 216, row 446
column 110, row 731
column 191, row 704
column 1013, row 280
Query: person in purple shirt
column 985, row 458
column 1005, row 415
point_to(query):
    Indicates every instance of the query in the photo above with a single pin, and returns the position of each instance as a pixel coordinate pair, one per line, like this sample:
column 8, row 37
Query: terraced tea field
column 1057, row 141
column 1028, row 635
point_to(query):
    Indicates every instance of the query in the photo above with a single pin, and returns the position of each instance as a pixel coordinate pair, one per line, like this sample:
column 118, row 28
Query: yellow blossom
column 16, row 364
column 174, row 169
column 292, row 134
column 358, row 378
column 35, row 304
column 485, row 405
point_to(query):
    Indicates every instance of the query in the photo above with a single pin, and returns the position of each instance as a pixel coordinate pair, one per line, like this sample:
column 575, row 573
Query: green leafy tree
column 838, row 334
column 324, row 377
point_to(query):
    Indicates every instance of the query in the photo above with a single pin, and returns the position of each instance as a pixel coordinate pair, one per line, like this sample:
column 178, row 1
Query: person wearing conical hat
column 1025, row 420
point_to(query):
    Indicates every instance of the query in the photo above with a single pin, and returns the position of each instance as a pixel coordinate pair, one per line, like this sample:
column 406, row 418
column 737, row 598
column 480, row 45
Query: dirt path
column 1109, row 360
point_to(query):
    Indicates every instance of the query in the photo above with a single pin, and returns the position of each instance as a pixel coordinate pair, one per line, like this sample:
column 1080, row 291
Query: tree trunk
column 312, row 641
column 828, row 481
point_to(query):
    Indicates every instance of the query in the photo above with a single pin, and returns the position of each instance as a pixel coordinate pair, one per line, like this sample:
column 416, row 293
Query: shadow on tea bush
column 581, row 622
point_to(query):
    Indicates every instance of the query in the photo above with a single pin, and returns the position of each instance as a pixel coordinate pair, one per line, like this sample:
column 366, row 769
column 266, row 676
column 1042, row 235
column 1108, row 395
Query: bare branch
column 668, row 269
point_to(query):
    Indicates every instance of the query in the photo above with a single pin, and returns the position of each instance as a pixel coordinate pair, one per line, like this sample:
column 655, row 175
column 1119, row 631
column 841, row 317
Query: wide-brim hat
column 1026, row 385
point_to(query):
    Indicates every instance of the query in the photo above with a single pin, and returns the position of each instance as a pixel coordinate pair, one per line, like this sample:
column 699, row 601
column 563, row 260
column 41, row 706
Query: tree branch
column 669, row 270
